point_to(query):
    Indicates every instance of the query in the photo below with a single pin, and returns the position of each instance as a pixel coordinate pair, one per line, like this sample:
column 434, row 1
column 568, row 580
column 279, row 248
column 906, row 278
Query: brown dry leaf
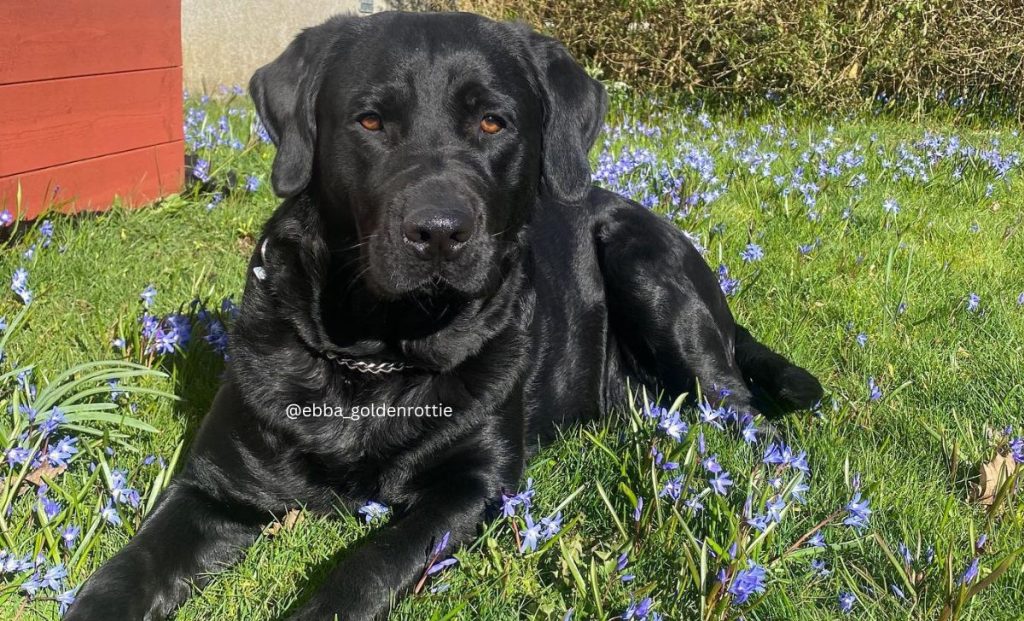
column 246, row 244
column 291, row 518
column 36, row 476
column 993, row 474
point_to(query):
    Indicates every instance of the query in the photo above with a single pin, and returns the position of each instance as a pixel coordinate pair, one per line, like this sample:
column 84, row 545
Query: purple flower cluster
column 166, row 334
column 747, row 583
column 533, row 532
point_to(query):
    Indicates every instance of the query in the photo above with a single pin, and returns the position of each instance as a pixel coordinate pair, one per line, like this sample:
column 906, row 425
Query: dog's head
column 427, row 138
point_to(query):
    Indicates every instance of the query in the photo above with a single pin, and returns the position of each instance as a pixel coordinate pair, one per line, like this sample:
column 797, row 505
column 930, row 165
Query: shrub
column 832, row 53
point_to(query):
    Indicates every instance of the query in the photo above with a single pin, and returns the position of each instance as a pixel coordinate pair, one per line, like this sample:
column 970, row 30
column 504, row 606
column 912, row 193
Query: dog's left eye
column 371, row 122
column 492, row 124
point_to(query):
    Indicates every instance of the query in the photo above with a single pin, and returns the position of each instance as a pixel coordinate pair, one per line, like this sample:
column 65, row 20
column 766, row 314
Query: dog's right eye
column 371, row 122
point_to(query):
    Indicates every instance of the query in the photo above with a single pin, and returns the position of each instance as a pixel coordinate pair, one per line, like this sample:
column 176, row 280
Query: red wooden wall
column 90, row 103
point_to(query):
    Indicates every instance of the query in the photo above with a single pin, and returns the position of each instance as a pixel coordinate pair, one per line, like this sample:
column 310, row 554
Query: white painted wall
column 224, row 41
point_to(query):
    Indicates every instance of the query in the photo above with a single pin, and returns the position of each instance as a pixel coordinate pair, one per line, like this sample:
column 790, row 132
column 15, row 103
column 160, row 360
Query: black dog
column 440, row 244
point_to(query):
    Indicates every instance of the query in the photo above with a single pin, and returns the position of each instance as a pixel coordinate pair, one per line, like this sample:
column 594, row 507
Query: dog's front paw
column 103, row 607
column 324, row 609
column 108, row 595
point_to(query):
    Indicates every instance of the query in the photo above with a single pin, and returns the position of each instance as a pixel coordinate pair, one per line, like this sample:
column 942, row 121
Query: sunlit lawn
column 893, row 257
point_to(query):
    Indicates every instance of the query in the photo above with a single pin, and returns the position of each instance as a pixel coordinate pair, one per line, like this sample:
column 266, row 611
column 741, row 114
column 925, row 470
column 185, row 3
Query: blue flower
column 19, row 285
column 441, row 565
column 721, row 483
column 730, row 286
column 110, row 514
column 820, row 568
column 6, row 218
column 18, row 455
column 817, row 540
column 673, row 488
column 62, row 451
column 65, row 600
column 54, row 420
column 655, row 411
column 774, row 508
column 1017, row 449
column 54, row 577
column 261, row 132
column 973, row 301
column 846, row 601
column 436, row 553
column 201, row 170
column 164, row 336
column 858, row 512
column 49, row 506
column 11, row 564
column 441, row 544
column 904, row 551
column 971, row 573
column 673, row 426
column 46, row 231
column 711, row 464
column 797, row 492
column 530, row 536
column 709, row 414
column 252, row 183
column 148, row 295
column 217, row 336
column 874, row 392
column 749, row 433
column 551, row 525
column 694, row 504
column 638, row 610
column 760, row 522
column 890, row 206
column 747, row 582
column 215, row 200
column 779, row 454
column 862, row 339
column 28, row 412
column 69, row 534
column 120, row 490
column 621, row 563
column 32, row 584
column 373, row 510
column 524, row 498
column 752, row 253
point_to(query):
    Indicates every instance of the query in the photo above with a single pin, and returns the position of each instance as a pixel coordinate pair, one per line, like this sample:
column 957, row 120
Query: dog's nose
column 438, row 233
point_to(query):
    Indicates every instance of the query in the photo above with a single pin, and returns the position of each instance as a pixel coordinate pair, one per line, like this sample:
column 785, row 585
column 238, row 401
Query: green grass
column 952, row 379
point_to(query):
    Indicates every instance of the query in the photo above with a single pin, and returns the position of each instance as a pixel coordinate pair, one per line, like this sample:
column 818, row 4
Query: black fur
column 561, row 293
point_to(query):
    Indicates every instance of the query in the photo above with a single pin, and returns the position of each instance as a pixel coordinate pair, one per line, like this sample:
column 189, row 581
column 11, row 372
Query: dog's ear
column 285, row 92
column 574, row 109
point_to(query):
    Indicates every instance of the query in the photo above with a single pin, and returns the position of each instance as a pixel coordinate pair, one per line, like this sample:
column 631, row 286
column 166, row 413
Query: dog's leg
column 187, row 535
column 667, row 309
column 389, row 563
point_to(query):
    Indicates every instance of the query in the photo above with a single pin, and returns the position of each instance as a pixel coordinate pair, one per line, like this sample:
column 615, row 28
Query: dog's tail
column 781, row 383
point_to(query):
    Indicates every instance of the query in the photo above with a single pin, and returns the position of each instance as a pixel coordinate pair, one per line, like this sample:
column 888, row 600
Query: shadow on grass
column 196, row 375
column 318, row 572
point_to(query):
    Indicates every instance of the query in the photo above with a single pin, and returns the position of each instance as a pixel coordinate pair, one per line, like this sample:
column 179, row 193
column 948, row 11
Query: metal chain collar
column 362, row 366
